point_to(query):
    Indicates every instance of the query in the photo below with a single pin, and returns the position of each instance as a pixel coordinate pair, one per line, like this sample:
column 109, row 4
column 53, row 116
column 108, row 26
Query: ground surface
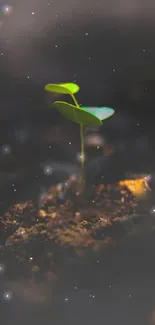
column 67, row 253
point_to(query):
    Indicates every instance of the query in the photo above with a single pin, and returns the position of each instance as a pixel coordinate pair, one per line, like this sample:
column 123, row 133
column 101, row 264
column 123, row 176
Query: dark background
column 108, row 48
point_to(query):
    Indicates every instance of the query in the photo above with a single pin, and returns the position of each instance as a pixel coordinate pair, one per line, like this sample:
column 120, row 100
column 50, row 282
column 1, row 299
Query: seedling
column 92, row 116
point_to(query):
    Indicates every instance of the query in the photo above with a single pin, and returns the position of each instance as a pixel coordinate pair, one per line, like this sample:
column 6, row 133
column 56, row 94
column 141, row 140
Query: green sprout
column 90, row 116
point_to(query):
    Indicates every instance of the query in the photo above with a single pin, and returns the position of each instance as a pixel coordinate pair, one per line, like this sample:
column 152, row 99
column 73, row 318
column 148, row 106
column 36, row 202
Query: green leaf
column 78, row 115
column 101, row 112
column 62, row 88
column 72, row 87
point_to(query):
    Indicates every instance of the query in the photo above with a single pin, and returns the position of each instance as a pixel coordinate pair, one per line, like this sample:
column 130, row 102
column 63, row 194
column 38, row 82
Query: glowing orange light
column 138, row 187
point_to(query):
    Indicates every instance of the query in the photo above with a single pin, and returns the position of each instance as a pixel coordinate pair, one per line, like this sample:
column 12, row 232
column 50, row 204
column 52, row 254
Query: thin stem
column 75, row 101
column 82, row 157
column 82, row 146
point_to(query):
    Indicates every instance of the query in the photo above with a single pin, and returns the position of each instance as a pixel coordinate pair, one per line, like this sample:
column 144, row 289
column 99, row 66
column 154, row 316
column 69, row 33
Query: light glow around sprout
column 84, row 116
